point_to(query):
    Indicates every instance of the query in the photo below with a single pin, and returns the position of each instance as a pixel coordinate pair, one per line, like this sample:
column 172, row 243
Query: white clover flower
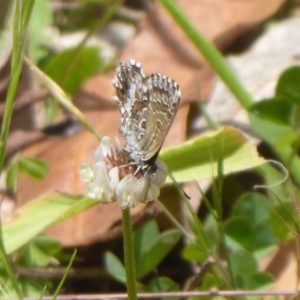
column 115, row 177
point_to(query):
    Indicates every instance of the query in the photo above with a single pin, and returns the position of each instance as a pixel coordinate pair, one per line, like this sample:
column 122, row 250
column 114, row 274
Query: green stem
column 175, row 222
column 129, row 255
column 211, row 54
column 58, row 290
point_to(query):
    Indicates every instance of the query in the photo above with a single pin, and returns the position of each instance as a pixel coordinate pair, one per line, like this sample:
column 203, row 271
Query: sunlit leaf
column 199, row 158
column 37, row 215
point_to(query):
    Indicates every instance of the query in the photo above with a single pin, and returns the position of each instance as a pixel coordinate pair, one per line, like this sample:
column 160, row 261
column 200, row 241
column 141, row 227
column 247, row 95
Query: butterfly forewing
column 148, row 106
column 164, row 98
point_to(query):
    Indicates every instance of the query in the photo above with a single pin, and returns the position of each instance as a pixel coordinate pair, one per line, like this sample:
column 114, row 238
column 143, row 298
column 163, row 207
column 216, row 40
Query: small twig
column 57, row 273
column 212, row 293
column 196, row 280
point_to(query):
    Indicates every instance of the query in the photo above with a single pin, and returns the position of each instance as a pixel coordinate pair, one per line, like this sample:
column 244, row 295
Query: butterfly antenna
column 176, row 184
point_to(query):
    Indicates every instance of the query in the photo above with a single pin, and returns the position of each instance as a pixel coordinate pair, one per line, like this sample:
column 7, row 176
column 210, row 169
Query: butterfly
column 148, row 106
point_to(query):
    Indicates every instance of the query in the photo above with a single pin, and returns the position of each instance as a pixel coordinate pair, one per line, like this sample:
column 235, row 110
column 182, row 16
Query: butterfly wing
column 129, row 83
column 148, row 107
column 164, row 98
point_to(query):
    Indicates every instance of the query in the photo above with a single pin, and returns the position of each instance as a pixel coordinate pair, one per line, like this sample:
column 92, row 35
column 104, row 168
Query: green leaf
column 239, row 233
column 260, row 281
column 34, row 217
column 271, row 132
column 70, row 69
column 12, row 177
column 210, row 281
column 212, row 232
column 272, row 176
column 280, row 229
column 243, row 263
column 48, row 245
column 37, row 256
column 34, row 167
column 34, row 288
column 277, row 110
column 192, row 253
column 254, row 207
column 250, row 226
column 264, row 240
column 198, row 158
column 288, row 86
column 163, row 284
column 157, row 252
column 282, row 217
column 281, row 138
column 115, row 267
column 256, row 281
column 60, row 96
column 143, row 237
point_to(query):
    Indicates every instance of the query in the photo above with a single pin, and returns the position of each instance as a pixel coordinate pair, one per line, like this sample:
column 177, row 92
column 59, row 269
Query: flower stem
column 129, row 255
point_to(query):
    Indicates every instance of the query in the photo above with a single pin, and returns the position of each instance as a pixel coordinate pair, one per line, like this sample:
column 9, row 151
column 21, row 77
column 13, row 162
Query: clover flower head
column 116, row 177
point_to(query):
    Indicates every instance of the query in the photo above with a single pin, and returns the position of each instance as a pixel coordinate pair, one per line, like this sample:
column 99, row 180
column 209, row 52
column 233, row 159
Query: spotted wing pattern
column 148, row 106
